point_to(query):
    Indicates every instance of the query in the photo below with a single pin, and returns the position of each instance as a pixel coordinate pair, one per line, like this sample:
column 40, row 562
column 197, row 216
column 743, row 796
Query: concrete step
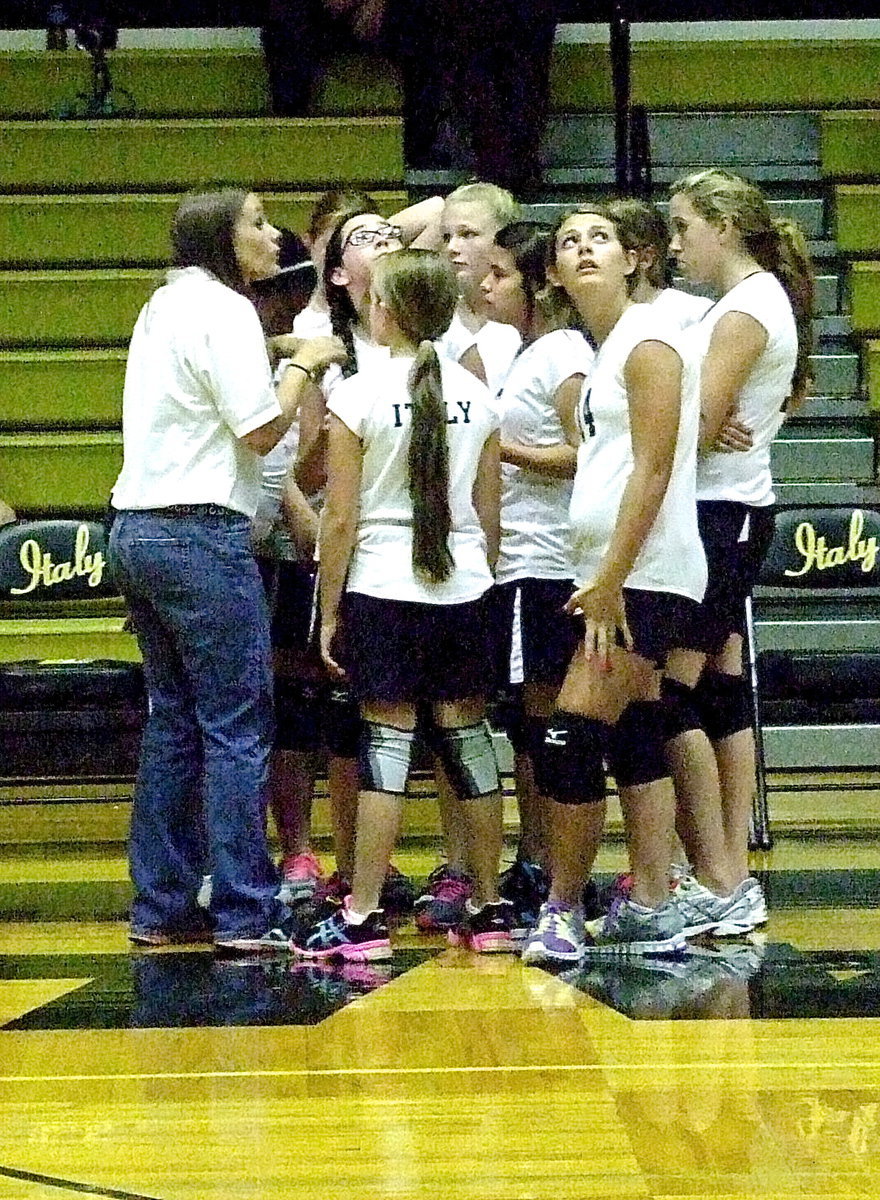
column 871, row 372
column 828, row 492
column 819, row 633
column 76, row 388
column 123, row 229
column 822, row 747
column 66, row 638
column 72, row 308
column 850, row 144
column 140, row 155
column 683, row 140
column 864, row 292
column 842, row 459
column 225, row 81
column 856, row 222
column 59, row 473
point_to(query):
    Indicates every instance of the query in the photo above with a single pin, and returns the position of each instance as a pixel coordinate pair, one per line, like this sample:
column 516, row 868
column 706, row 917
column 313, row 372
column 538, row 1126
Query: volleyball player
column 533, row 576
column 639, row 568
column 409, row 528
column 755, row 344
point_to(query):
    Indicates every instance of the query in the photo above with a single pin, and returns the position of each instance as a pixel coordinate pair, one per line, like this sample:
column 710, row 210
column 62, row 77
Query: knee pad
column 680, row 706
column 298, row 716
column 725, row 704
column 384, row 757
column 342, row 727
column 468, row 758
column 639, row 744
column 570, row 759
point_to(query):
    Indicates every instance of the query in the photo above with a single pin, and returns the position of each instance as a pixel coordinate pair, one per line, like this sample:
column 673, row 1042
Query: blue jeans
column 199, row 611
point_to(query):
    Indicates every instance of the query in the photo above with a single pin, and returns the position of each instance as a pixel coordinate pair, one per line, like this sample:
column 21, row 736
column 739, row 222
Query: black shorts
column 534, row 635
column 290, row 590
column 736, row 538
column 399, row 650
column 657, row 621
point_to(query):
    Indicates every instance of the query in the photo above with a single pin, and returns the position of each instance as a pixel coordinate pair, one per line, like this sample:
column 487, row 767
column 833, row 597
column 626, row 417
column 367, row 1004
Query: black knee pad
column 299, row 716
column 384, row 758
column 682, row 714
column 570, row 760
column 342, row 724
column 468, row 758
column 639, row 744
column 725, row 704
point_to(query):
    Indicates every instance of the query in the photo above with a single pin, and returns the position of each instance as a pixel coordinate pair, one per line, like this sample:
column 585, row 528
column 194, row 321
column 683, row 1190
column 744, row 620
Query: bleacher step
column 262, row 153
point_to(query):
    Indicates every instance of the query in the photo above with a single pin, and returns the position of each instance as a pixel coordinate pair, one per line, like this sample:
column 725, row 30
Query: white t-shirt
column 671, row 558
column 497, row 344
column 311, row 322
column 534, row 507
column 374, row 404
column 745, row 475
column 197, row 379
column 682, row 309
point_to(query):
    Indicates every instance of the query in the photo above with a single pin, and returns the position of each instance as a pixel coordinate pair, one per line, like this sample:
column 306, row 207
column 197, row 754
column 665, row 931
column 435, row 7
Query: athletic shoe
column 300, row 876
column 728, row 916
column 486, row 931
column 558, row 936
column 704, row 912
column 753, row 911
column 442, row 904
column 176, row 937
column 338, row 939
column 630, row 929
column 526, row 886
column 398, row 894
column 272, row 941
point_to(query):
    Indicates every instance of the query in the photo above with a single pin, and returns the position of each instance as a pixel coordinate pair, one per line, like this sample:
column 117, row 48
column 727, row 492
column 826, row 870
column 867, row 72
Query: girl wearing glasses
column 409, row 528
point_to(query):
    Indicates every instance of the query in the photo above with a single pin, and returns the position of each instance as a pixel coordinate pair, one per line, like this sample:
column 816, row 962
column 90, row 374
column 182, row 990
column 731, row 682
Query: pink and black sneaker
column 486, row 931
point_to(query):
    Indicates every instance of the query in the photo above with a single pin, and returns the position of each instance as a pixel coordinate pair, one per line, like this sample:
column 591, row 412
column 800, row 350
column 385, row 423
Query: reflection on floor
column 170, row 1075
column 187, row 990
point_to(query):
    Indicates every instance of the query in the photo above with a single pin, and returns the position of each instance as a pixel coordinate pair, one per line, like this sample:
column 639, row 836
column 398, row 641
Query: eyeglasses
column 368, row 237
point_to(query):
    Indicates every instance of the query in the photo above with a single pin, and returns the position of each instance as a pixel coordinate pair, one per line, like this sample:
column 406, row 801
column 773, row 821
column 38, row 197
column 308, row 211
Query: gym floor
column 749, row 1069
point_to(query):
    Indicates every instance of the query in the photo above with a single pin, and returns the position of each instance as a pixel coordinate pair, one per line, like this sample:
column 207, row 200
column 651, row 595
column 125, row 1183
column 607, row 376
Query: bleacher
column 84, row 213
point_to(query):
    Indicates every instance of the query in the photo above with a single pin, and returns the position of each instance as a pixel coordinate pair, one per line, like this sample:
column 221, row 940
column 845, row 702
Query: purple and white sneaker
column 557, row 938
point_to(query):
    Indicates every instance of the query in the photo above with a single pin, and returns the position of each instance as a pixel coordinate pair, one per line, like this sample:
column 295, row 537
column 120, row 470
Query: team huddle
column 499, row 462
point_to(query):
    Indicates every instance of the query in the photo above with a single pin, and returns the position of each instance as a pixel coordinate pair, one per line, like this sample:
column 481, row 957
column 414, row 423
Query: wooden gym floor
column 747, row 1070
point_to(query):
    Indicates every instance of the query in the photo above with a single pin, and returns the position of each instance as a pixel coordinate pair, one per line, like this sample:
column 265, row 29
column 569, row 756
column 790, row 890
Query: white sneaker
column 724, row 916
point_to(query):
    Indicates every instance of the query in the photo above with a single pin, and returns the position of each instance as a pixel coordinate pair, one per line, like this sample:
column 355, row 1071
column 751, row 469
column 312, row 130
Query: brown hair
column 203, row 232
column 778, row 246
column 419, row 290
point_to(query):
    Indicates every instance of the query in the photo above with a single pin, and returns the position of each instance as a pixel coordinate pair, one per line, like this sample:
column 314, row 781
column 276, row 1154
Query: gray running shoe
column 629, row 929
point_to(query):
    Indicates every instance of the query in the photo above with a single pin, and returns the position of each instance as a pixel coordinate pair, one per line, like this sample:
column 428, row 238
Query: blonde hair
column 498, row 201
column 419, row 290
column 777, row 245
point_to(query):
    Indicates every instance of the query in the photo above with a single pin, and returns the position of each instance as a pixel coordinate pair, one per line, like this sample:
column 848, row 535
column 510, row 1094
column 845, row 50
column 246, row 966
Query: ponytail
column 794, row 270
column 429, row 469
